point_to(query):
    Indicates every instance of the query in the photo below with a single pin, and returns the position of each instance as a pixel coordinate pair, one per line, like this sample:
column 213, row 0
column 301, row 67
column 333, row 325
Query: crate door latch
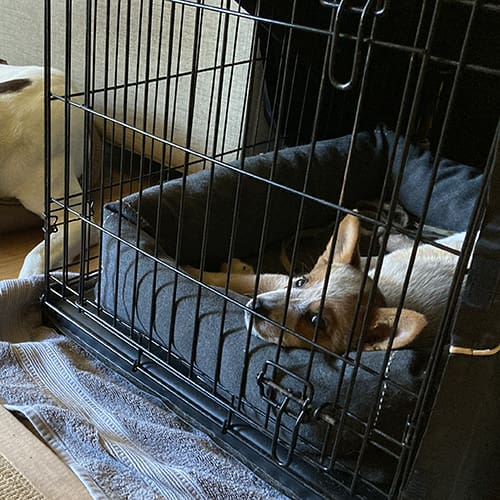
column 289, row 396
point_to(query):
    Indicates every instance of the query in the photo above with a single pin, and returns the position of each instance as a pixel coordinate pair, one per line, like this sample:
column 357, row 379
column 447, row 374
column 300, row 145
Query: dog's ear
column 346, row 248
column 382, row 320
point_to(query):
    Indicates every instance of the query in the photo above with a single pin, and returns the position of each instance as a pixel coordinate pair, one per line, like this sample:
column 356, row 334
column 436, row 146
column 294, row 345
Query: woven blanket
column 120, row 441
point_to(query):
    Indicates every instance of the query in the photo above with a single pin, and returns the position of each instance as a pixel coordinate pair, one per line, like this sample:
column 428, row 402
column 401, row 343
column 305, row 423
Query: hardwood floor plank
column 13, row 249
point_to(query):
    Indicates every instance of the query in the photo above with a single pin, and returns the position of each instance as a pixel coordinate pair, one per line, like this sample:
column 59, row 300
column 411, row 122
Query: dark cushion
column 187, row 200
column 456, row 187
column 198, row 326
column 188, row 321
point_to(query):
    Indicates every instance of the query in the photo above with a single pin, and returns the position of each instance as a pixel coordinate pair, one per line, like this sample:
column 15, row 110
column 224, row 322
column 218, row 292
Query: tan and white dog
column 22, row 155
column 299, row 307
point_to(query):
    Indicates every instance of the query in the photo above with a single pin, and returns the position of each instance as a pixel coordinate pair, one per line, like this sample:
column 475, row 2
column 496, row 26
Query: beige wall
column 21, row 42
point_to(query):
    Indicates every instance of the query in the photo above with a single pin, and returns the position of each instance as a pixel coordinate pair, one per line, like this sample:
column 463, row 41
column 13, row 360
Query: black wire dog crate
column 217, row 130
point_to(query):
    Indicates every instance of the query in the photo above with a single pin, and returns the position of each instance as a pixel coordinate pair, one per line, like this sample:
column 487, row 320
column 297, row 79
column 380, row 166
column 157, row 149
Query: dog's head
column 300, row 309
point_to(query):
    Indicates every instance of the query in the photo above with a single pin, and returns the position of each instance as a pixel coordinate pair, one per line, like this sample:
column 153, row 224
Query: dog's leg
column 34, row 263
column 241, row 283
column 345, row 252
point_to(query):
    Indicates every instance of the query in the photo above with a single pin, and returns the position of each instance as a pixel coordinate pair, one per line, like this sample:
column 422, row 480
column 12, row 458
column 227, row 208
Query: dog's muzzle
column 259, row 306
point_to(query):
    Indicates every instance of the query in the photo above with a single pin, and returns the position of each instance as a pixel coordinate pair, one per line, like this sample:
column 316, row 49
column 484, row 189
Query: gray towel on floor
column 121, row 442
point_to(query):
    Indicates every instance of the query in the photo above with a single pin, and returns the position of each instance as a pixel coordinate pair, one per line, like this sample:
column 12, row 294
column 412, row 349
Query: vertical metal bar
column 67, row 138
column 47, row 138
column 167, row 99
column 229, row 87
column 189, row 131
column 236, row 208
column 104, row 147
column 122, row 148
column 191, row 114
column 139, row 19
column 180, row 21
column 143, row 146
column 208, row 205
column 159, row 59
column 264, row 93
column 85, row 180
column 94, row 145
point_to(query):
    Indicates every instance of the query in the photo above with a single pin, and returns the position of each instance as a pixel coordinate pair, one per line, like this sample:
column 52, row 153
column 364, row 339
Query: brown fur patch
column 14, row 85
column 306, row 329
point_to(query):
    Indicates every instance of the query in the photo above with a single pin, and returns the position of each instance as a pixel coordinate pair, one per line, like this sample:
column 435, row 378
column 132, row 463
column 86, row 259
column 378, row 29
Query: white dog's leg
column 34, row 263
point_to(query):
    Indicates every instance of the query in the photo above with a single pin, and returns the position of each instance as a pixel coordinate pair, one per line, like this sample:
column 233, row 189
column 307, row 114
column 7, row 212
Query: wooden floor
column 14, row 247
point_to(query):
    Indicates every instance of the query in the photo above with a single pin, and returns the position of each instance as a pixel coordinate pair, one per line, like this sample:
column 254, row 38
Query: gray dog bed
column 226, row 359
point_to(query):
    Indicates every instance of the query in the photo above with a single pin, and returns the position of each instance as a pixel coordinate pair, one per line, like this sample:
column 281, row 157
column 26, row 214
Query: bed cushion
column 189, row 196
column 456, row 186
column 186, row 320
column 143, row 292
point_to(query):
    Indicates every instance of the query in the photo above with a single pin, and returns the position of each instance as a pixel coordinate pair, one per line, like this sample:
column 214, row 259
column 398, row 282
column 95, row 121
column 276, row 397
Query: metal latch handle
column 341, row 8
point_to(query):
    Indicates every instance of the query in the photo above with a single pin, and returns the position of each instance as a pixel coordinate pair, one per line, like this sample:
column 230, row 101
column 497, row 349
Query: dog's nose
column 258, row 306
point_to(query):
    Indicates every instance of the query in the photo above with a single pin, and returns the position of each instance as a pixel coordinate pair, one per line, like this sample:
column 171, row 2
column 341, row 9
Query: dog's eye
column 300, row 282
column 316, row 319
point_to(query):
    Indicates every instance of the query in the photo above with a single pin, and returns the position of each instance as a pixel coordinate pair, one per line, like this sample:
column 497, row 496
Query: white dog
column 22, row 156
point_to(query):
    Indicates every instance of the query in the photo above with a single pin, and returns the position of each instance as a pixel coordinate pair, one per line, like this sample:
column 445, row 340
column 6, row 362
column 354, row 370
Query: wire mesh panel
column 279, row 205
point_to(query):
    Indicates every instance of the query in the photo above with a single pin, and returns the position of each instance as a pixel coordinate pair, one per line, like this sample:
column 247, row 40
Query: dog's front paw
column 237, row 267
column 34, row 262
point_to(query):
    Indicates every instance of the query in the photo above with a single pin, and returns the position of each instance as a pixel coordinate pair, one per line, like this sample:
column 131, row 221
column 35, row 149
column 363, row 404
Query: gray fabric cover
column 288, row 168
column 144, row 293
column 198, row 322
column 456, row 187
